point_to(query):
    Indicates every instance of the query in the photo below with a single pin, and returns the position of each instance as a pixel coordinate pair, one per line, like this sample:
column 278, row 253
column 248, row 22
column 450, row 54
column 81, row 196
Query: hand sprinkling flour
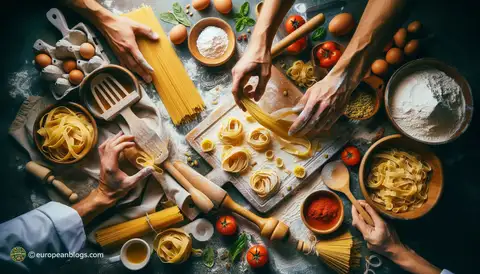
column 212, row 42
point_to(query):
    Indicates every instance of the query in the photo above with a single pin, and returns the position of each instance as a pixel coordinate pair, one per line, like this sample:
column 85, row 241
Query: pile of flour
column 428, row 105
column 212, row 42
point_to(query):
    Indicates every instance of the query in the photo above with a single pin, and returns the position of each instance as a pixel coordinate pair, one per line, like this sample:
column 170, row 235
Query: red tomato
column 257, row 256
column 293, row 23
column 226, row 225
column 328, row 54
column 351, row 156
column 298, row 46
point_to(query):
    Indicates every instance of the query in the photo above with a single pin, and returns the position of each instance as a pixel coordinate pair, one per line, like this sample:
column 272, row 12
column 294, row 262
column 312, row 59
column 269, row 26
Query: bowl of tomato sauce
column 322, row 212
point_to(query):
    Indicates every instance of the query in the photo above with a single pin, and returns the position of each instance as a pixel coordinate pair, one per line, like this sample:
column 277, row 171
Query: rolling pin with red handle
column 46, row 176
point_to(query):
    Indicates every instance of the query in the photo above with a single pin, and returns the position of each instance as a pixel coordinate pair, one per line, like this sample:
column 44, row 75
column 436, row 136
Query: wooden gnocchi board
column 272, row 100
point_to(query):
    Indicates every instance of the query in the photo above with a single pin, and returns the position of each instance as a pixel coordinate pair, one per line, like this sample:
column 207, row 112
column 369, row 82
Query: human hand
column 320, row 107
column 120, row 33
column 256, row 61
column 114, row 183
column 380, row 238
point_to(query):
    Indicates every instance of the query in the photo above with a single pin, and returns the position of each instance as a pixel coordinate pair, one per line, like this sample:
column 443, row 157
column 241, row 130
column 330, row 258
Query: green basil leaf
column 249, row 22
column 319, row 34
column 208, row 257
column 180, row 15
column 238, row 16
column 238, row 246
column 245, row 9
column 240, row 25
column 168, row 17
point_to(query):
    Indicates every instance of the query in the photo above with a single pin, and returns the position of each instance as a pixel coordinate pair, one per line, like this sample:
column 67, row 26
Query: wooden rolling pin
column 46, row 176
column 270, row 228
column 302, row 31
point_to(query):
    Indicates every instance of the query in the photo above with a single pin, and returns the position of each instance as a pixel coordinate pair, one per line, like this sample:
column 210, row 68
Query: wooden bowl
column 309, row 200
column 319, row 71
column 38, row 139
column 421, row 64
column 258, row 8
column 195, row 32
column 374, row 87
column 435, row 183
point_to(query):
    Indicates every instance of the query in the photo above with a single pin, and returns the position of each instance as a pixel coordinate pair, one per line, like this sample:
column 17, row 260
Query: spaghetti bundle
column 264, row 182
column 68, row 135
column 173, row 246
column 173, row 85
column 118, row 234
column 259, row 139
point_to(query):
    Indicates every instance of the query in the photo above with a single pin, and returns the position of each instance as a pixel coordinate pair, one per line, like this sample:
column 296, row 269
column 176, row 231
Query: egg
column 69, row 65
column 400, row 38
column 411, row 47
column 87, row 50
column 414, row 27
column 394, row 56
column 380, row 67
column 42, row 60
column 223, row 6
column 341, row 24
column 178, row 34
column 75, row 77
column 200, row 4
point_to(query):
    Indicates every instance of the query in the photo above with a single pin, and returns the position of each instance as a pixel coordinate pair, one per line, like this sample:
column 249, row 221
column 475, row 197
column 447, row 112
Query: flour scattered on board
column 20, row 82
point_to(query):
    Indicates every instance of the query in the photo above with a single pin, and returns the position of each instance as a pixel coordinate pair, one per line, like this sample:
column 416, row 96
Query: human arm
column 120, row 33
column 324, row 102
column 384, row 240
column 257, row 60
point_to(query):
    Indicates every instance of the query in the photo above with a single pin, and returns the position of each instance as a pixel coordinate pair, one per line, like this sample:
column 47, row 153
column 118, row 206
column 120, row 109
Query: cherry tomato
column 257, row 256
column 328, row 54
column 298, row 46
column 293, row 23
column 351, row 156
column 226, row 225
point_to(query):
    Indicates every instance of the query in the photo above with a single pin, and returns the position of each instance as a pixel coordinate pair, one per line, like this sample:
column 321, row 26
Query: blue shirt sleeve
column 51, row 228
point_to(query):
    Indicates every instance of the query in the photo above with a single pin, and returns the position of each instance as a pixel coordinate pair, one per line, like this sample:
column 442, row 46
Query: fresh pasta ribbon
column 398, row 180
column 145, row 160
column 259, row 139
column 231, row 133
column 207, row 145
column 173, row 246
column 235, row 159
column 264, row 182
column 299, row 171
column 302, row 73
column 68, row 135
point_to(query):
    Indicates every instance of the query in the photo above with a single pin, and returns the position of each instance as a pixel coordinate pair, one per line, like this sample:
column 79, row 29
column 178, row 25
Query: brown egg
column 400, row 37
column 42, row 60
column 411, row 47
column 414, row 27
column 87, row 50
column 341, row 24
column 178, row 34
column 380, row 67
column 75, row 77
column 69, row 65
column 200, row 4
column 223, row 6
column 394, row 56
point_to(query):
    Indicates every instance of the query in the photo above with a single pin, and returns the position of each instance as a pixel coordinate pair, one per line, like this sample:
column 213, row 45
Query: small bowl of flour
column 211, row 41
column 429, row 101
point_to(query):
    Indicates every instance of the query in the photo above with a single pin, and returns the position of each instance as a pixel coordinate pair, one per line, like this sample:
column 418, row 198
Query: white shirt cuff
column 445, row 271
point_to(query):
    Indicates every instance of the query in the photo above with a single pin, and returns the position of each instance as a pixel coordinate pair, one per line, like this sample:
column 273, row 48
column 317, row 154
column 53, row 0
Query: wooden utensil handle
column 65, row 191
column 308, row 27
column 270, row 228
column 359, row 208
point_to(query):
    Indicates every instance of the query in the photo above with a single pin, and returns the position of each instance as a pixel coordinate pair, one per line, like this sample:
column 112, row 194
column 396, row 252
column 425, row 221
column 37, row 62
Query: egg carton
column 68, row 48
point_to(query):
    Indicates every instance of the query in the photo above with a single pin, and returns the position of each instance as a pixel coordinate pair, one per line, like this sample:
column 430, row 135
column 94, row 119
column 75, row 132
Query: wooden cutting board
column 272, row 100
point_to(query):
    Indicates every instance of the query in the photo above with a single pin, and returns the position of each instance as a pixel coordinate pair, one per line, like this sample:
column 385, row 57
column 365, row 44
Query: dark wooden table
column 448, row 236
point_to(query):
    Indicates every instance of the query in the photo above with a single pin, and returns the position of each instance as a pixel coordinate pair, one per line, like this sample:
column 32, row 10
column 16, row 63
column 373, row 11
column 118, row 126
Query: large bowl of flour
column 429, row 101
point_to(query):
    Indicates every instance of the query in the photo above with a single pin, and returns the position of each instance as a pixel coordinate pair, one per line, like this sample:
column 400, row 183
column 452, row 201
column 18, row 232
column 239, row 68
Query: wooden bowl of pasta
column 65, row 132
column 401, row 178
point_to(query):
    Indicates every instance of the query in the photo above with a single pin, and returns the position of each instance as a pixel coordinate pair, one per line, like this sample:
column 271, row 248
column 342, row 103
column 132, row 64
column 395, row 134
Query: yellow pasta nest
column 264, row 182
column 259, row 139
column 67, row 135
column 207, row 145
column 231, row 132
column 173, row 246
column 279, row 162
column 398, row 180
column 269, row 154
column 299, row 171
column 302, row 73
column 235, row 159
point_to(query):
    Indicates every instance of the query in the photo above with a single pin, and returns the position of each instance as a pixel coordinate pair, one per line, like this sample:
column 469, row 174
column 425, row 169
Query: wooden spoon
column 335, row 175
